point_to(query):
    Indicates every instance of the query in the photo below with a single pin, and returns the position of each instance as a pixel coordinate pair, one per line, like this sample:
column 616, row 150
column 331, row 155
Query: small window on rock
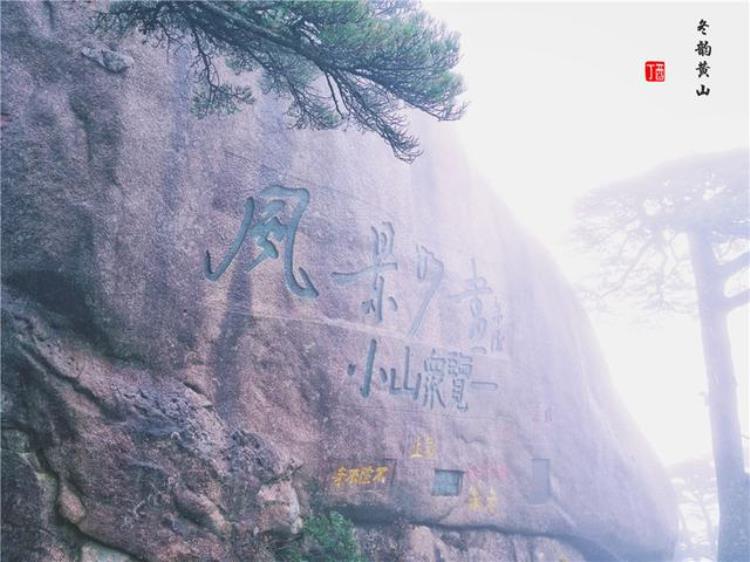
column 447, row 483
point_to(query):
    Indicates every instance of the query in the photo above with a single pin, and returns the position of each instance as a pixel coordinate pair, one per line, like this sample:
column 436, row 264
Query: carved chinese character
column 429, row 270
column 365, row 475
column 269, row 224
column 354, row 476
column 382, row 260
column 381, row 474
column 476, row 286
column 430, row 448
column 459, row 369
column 364, row 389
column 416, row 452
column 341, row 476
column 407, row 387
column 475, row 502
column 492, row 501
column 434, row 373
column 497, row 340
column 424, row 447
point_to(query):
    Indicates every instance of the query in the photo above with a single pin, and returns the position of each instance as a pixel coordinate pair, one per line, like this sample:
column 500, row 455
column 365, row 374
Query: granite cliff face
column 212, row 326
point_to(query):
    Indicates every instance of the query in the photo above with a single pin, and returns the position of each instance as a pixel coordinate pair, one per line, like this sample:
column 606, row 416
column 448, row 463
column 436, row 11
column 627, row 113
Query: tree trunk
column 733, row 485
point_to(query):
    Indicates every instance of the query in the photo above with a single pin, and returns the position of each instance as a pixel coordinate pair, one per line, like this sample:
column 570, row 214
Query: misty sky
column 559, row 106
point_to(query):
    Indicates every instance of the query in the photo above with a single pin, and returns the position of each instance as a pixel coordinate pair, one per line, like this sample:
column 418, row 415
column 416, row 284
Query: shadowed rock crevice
column 129, row 457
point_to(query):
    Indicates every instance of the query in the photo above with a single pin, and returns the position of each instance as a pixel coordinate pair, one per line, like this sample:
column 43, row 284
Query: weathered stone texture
column 154, row 411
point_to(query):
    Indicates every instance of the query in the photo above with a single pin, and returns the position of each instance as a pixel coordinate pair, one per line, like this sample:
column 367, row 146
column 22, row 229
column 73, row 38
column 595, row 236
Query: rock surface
column 383, row 339
column 107, row 58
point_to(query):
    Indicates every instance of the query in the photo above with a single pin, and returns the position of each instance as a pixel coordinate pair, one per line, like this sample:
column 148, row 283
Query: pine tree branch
column 376, row 57
column 735, row 265
column 737, row 300
column 619, row 284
